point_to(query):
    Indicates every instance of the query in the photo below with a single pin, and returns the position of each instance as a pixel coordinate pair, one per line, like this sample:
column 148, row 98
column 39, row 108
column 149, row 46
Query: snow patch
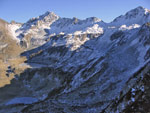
column 133, row 26
column 13, row 28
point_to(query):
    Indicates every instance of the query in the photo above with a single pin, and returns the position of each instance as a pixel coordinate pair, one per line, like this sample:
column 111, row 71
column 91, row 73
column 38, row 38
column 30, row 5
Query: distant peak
column 46, row 15
column 139, row 9
column 44, row 20
column 49, row 13
column 134, row 16
column 94, row 19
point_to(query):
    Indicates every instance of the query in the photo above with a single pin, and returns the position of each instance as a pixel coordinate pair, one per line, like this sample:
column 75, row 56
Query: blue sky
column 107, row 10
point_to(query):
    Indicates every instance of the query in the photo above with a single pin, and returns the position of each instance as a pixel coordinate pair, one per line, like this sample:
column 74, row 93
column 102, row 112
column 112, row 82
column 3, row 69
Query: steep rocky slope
column 84, row 66
column 9, row 46
column 9, row 53
column 34, row 32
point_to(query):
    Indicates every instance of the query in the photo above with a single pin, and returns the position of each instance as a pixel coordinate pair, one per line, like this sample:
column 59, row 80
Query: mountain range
column 52, row 64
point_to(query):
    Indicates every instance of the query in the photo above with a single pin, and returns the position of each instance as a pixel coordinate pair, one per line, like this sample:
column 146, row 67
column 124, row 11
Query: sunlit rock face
column 84, row 66
column 9, row 53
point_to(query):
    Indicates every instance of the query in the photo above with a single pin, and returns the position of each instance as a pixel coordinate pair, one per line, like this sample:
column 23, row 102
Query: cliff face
column 87, row 66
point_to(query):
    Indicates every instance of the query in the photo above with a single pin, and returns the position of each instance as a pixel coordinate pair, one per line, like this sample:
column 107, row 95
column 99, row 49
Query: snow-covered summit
column 138, row 15
column 44, row 20
column 34, row 31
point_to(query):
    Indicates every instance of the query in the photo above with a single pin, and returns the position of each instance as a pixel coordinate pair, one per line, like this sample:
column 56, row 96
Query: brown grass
column 14, row 63
column 9, row 55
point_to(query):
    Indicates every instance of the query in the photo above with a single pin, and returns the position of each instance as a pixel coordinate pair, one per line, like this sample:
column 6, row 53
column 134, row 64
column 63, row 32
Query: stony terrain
column 77, row 66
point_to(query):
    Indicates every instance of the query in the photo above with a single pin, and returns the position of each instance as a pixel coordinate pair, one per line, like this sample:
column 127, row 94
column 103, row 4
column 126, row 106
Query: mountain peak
column 45, row 20
column 46, row 16
column 139, row 15
column 49, row 13
column 94, row 19
column 138, row 10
